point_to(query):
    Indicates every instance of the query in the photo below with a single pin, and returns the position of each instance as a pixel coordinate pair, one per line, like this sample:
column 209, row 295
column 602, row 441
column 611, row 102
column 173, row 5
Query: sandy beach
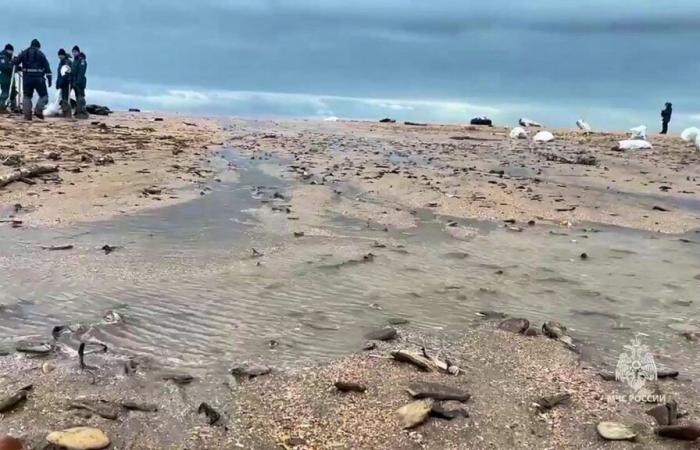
column 343, row 201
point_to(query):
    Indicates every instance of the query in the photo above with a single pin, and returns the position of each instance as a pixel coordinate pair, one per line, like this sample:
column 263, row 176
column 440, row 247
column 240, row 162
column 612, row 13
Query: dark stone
column 343, row 386
column 441, row 412
column 34, row 348
column 250, row 371
column 492, row 315
column 135, row 406
column 369, row 346
column 7, row 404
column 437, row 392
column 178, row 378
column 665, row 414
column 398, row 321
column 689, row 432
column 102, row 408
column 547, row 403
column 519, row 326
column 212, row 415
column 532, row 332
column 553, row 330
column 382, row 334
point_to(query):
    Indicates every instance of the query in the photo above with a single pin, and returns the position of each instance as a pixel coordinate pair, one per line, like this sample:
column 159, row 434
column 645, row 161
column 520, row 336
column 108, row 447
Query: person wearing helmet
column 666, row 117
column 6, row 73
column 79, row 81
column 36, row 72
column 63, row 81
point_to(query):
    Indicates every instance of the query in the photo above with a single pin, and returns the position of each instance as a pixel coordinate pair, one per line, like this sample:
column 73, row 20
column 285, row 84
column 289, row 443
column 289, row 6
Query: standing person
column 36, row 71
column 63, row 81
column 79, row 81
column 6, row 74
column 666, row 117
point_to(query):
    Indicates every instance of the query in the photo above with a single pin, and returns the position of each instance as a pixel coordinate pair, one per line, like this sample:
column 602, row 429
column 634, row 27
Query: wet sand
column 479, row 172
column 104, row 165
column 389, row 166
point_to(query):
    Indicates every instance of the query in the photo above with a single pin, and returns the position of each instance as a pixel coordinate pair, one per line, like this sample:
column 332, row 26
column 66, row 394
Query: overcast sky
column 611, row 62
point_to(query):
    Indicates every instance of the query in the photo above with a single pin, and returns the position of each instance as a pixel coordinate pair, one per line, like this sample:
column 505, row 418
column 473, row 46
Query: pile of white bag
column 692, row 134
column 637, row 140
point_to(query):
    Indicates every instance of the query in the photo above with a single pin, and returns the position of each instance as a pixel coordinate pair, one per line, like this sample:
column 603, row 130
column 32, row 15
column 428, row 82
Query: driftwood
column 26, row 173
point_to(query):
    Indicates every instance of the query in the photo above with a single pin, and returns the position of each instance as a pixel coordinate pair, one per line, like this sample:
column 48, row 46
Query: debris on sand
column 689, row 432
column 529, row 123
column 546, row 403
column 483, row 121
column 387, row 120
column 415, row 413
column 613, row 431
column 53, row 248
column 7, row 404
column 518, row 133
column 79, row 438
column 27, row 173
column 250, row 371
column 583, row 126
column 212, row 415
column 518, row 326
column 543, row 137
column 345, row 386
column 437, row 391
column 382, row 334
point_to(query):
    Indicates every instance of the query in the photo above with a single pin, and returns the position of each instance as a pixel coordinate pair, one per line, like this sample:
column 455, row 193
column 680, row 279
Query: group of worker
column 36, row 73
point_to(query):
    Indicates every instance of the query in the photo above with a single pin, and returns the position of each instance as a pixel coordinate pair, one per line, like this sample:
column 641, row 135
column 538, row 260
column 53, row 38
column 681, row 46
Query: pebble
column 382, row 334
column 437, row 391
column 344, row 386
column 689, row 432
column 613, row 431
column 10, row 443
column 250, row 371
column 79, row 438
column 414, row 413
column 519, row 326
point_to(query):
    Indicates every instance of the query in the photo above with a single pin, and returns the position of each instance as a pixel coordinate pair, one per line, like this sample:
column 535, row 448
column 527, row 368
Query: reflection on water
column 193, row 293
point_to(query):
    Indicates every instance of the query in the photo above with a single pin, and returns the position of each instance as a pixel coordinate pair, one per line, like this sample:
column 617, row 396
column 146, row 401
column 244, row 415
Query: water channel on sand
column 193, row 293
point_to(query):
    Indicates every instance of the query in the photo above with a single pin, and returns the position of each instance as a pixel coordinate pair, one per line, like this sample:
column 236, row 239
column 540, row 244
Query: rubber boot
column 27, row 108
column 40, row 105
column 81, row 109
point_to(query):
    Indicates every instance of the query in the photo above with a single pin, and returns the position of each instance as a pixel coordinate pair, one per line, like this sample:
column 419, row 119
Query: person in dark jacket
column 6, row 73
column 666, row 117
column 63, row 81
column 79, row 82
column 36, row 71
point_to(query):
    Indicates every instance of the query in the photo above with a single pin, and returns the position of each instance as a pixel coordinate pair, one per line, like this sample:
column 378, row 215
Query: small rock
column 135, row 406
column 441, row 412
column 47, row 368
column 437, row 392
column 102, row 408
column 369, row 346
column 10, row 443
column 491, row 315
column 414, row 413
column 152, row 190
column 79, row 438
column 178, row 378
column 532, row 332
column 382, row 334
column 344, row 386
column 547, row 403
column 613, row 431
column 7, row 404
column 519, row 326
column 665, row 414
column 212, row 415
column 553, row 330
column 104, row 160
column 397, row 321
column 250, row 371
column 689, row 432
column 34, row 348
